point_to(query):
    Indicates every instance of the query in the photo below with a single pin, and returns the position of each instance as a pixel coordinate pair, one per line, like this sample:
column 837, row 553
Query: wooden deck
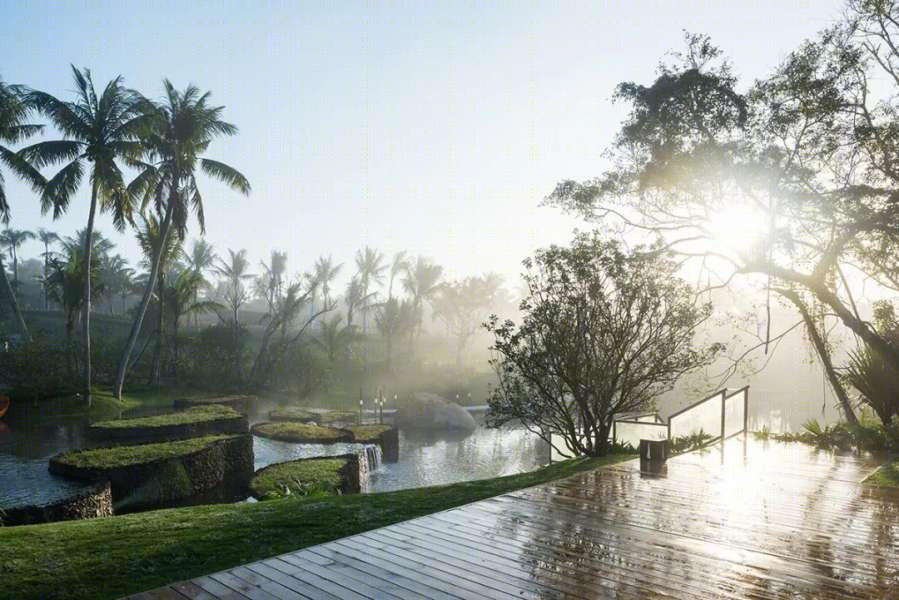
column 754, row 520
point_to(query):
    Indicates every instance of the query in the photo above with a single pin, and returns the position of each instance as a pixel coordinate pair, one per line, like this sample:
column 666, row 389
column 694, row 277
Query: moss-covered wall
column 158, row 482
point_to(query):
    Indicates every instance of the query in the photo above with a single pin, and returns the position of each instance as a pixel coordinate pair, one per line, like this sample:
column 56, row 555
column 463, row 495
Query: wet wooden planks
column 750, row 519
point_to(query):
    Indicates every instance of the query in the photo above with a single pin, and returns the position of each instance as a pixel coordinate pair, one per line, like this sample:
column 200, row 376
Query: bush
column 218, row 356
column 35, row 370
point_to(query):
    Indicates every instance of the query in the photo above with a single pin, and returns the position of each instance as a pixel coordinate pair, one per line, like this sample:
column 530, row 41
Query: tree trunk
column 823, row 354
column 155, row 366
column 8, row 291
column 86, row 315
column 142, row 309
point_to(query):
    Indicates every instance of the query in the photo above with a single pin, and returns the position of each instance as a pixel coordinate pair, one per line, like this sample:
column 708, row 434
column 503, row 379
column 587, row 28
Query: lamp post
column 360, row 411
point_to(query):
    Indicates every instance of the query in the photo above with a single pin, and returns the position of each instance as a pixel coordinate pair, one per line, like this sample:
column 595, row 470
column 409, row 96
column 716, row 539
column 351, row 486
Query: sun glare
column 738, row 228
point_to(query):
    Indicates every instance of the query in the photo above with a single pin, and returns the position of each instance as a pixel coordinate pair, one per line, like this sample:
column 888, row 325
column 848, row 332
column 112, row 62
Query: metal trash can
column 653, row 454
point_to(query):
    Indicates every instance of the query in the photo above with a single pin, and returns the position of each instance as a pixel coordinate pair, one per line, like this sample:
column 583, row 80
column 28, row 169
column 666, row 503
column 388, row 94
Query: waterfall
column 369, row 461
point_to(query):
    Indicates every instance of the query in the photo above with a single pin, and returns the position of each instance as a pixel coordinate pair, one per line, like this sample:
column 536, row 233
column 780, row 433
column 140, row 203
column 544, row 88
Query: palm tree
column 393, row 319
column 234, row 272
column 64, row 283
column 168, row 249
column 421, row 282
column 370, row 266
column 98, row 131
column 182, row 129
column 201, row 259
column 118, row 278
column 324, row 273
column 12, row 239
column 47, row 238
column 334, row 339
column 398, row 265
column 270, row 285
column 14, row 128
column 180, row 301
column 353, row 298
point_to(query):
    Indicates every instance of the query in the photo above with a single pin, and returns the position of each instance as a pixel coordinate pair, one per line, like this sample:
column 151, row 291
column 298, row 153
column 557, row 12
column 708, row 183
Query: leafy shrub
column 35, row 370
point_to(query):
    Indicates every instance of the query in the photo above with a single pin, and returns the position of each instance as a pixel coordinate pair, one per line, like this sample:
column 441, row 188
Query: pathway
column 756, row 520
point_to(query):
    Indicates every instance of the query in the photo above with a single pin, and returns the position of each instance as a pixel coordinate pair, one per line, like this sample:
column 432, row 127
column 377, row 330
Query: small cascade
column 369, row 461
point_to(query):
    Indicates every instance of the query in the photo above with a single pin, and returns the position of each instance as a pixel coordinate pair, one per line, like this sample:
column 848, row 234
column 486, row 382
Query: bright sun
column 738, row 228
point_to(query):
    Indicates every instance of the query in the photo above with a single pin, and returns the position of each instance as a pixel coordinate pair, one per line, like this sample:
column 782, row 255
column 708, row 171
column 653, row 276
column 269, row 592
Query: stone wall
column 229, row 459
column 93, row 501
column 390, row 445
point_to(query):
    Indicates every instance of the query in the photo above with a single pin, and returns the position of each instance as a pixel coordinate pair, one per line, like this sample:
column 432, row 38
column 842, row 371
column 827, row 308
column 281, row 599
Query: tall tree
column 235, row 271
column 398, row 265
column 370, row 269
column 64, row 282
column 47, row 238
column 421, row 283
column 12, row 239
column 810, row 150
column 14, row 128
column 201, row 258
column 98, row 131
column 154, row 244
column 603, row 331
column 324, row 273
column 465, row 305
column 182, row 128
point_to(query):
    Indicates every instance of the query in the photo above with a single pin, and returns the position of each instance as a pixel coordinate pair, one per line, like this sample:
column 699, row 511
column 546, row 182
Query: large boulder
column 431, row 412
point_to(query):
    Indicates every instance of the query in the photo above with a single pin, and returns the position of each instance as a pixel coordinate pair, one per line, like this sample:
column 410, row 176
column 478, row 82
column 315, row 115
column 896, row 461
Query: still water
column 425, row 459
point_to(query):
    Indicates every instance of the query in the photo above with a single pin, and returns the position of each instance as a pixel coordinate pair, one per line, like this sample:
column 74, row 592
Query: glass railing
column 720, row 415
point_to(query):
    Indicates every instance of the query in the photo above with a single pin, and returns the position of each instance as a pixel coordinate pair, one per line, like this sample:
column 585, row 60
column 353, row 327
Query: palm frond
column 228, row 175
column 61, row 187
column 47, row 153
column 23, row 169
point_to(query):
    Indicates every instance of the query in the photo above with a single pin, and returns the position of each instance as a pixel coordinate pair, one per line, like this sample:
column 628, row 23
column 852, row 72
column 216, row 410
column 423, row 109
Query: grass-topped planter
column 236, row 400
column 326, row 476
column 305, row 415
column 193, row 422
column 152, row 475
column 293, row 413
column 385, row 436
column 302, row 433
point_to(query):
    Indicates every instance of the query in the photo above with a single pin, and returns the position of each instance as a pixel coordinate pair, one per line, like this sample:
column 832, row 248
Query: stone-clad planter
column 350, row 477
column 194, row 422
column 383, row 435
column 181, row 469
column 302, row 433
column 93, row 501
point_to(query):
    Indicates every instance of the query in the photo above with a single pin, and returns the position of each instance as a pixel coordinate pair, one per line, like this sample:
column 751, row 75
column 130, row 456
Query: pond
column 424, row 459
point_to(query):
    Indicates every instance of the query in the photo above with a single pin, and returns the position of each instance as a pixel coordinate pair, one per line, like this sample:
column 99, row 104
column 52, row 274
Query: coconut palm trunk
column 9, row 293
column 86, row 314
column 144, row 303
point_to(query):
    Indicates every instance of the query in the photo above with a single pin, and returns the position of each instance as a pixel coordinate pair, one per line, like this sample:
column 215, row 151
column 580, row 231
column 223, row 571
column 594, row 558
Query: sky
column 431, row 127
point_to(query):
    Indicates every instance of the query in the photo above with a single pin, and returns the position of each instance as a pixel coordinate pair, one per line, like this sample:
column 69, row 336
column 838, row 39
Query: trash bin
column 653, row 454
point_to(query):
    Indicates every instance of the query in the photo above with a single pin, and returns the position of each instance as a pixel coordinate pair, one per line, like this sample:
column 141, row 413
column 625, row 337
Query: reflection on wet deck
column 756, row 520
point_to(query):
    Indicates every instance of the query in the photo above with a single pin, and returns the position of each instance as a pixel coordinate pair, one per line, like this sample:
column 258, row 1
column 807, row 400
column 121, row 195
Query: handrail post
column 746, row 410
column 723, row 405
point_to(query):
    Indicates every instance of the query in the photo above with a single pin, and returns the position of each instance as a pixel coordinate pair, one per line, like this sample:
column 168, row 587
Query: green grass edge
column 887, row 475
column 114, row 556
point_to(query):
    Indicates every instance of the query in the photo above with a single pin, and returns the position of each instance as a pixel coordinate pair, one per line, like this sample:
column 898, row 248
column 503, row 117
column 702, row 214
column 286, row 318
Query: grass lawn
column 368, row 433
column 289, row 431
column 129, row 455
column 114, row 556
column 291, row 413
column 886, row 476
column 301, row 477
column 195, row 414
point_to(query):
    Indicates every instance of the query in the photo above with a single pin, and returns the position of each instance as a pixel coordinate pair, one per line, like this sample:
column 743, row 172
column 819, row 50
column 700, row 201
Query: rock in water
column 431, row 412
